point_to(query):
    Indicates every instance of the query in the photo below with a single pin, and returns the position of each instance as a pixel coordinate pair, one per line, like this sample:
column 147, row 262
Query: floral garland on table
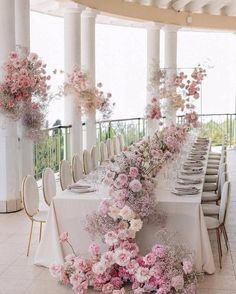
column 24, row 90
column 180, row 89
column 88, row 98
column 164, row 269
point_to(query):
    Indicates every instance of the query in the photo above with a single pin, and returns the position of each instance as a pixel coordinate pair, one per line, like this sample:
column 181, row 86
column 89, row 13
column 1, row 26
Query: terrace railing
column 52, row 149
column 55, row 146
column 132, row 129
column 215, row 126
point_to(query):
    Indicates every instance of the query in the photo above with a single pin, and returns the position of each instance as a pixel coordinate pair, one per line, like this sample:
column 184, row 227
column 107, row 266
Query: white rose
column 114, row 212
column 127, row 213
column 136, row 225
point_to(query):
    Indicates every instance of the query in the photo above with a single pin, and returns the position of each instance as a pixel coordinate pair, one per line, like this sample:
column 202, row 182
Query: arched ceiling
column 206, row 14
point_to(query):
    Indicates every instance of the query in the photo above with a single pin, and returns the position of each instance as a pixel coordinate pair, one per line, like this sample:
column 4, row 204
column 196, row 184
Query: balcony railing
column 55, row 147
column 52, row 149
column 132, row 129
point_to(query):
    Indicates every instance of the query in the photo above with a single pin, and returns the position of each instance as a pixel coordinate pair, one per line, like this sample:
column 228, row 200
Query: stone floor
column 19, row 275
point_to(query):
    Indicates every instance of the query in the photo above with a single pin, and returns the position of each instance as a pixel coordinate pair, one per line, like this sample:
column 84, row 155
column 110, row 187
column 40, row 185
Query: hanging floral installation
column 88, row 97
column 181, row 91
column 24, row 90
column 153, row 110
column 167, row 268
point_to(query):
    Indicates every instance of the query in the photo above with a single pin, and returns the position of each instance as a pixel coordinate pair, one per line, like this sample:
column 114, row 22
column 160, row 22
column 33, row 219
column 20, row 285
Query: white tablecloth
column 68, row 213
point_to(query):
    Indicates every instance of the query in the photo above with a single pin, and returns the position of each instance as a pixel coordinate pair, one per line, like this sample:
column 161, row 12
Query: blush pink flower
column 94, row 249
column 177, row 282
column 187, row 267
column 135, row 186
column 122, row 257
column 103, row 208
column 116, row 282
column 127, row 213
column 159, row 250
column 123, row 179
column 99, row 268
column 64, row 237
column 142, row 274
column 150, row 259
column 133, row 172
column 111, row 238
column 136, row 225
column 107, row 288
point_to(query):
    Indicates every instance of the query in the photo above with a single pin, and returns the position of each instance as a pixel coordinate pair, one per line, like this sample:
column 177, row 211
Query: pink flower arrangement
column 24, row 90
column 165, row 273
column 88, row 97
column 153, row 110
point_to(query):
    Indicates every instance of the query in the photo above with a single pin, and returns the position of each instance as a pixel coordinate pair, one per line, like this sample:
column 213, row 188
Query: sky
column 121, row 64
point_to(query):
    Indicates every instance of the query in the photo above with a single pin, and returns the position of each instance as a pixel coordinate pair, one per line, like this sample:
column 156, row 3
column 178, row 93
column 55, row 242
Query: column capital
column 153, row 26
column 171, row 28
column 75, row 8
column 89, row 12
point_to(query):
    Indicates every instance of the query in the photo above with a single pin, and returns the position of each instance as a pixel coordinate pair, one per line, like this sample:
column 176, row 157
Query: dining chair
column 211, row 181
column 103, row 152
column 65, row 174
column 87, row 162
column 122, row 141
column 77, row 168
column 49, row 185
column 94, row 157
column 116, row 144
column 218, row 225
column 213, row 169
column 110, row 148
column 212, row 196
column 30, row 195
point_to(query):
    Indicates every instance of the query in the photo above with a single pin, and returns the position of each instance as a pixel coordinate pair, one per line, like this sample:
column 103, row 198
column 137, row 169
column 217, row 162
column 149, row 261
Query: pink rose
column 123, row 179
column 159, row 250
column 135, row 186
column 97, row 286
column 133, row 172
column 151, row 284
column 82, row 264
column 150, row 259
column 122, row 257
column 103, row 208
column 107, row 288
column 187, row 267
column 116, row 282
column 177, row 282
column 132, row 266
column 81, row 287
column 64, row 237
column 142, row 274
column 94, row 249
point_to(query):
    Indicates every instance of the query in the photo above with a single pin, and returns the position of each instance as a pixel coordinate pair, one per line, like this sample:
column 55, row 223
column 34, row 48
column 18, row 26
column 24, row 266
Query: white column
column 153, row 63
column 88, row 63
column 72, row 51
column 9, row 172
column 171, row 32
column 22, row 34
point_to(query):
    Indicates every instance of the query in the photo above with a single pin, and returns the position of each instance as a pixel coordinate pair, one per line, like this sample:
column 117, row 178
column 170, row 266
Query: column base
column 9, row 206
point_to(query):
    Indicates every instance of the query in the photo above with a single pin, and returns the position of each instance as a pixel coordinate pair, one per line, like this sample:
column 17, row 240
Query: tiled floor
column 18, row 274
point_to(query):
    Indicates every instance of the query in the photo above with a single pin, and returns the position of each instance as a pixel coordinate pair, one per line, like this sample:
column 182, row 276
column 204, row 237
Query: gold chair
column 30, row 195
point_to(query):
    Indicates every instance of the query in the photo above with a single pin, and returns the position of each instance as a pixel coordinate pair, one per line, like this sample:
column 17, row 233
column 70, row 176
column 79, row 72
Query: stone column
column 72, row 51
column 9, row 172
column 153, row 63
column 88, row 63
column 22, row 35
column 170, row 65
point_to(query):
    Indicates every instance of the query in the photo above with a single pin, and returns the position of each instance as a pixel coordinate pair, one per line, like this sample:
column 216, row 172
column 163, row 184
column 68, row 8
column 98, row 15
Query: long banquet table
column 68, row 213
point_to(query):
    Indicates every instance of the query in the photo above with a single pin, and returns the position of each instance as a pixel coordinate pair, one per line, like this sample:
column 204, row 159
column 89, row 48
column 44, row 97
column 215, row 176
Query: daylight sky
column 121, row 64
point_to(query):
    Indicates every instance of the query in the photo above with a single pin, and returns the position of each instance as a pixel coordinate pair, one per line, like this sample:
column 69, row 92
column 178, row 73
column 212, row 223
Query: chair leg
column 30, row 237
column 219, row 245
column 40, row 231
column 225, row 237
